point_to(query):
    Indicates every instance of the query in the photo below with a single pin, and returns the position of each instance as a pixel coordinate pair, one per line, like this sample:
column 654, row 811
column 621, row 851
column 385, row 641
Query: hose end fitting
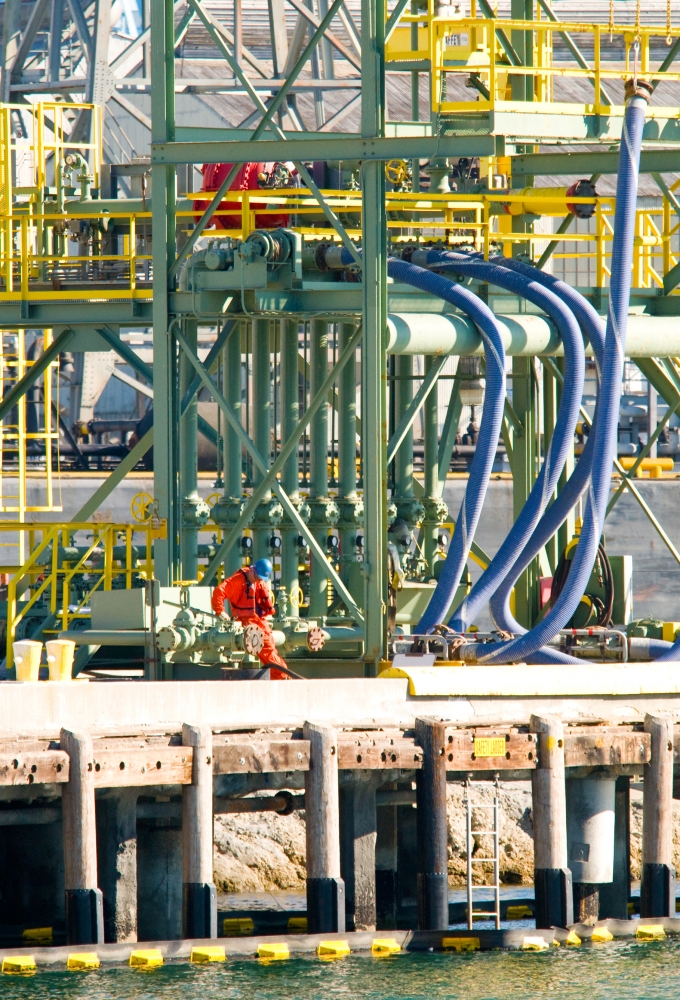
column 638, row 88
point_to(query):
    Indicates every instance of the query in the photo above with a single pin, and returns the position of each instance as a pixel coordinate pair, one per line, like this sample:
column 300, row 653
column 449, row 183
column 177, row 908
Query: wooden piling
column 657, row 892
column 358, row 831
column 433, row 880
column 325, row 887
column 199, row 896
column 117, row 862
column 84, row 901
column 614, row 895
column 552, row 877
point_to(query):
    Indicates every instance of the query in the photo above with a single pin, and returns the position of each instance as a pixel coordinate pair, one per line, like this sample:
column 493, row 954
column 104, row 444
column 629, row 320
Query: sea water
column 613, row 971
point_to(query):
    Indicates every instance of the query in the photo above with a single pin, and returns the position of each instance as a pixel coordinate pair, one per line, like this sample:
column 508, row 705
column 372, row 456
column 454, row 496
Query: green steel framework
column 178, row 372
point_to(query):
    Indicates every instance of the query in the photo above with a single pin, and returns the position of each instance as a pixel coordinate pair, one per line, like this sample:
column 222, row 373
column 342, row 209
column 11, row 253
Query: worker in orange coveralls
column 251, row 602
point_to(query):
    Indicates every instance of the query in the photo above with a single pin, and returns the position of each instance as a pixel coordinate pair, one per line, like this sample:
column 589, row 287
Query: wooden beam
column 261, row 757
column 143, row 766
column 48, row 767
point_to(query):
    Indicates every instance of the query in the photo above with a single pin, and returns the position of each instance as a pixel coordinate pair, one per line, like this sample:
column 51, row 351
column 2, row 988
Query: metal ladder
column 469, row 843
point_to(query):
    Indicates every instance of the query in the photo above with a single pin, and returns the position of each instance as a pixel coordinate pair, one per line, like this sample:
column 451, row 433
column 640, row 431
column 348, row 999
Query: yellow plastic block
column 273, row 952
column 297, row 925
column 385, row 946
column 209, row 953
column 535, row 944
column 19, row 963
column 83, row 960
column 461, row 943
column 650, row 932
column 37, row 935
column 601, row 935
column 333, row 949
column 237, row 926
column 668, row 633
column 519, row 912
column 573, row 938
column 148, row 958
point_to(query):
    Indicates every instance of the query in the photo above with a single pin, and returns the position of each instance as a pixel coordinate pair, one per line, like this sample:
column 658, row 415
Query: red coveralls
column 251, row 603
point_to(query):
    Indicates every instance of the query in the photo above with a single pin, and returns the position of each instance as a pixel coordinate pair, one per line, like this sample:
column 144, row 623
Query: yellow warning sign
column 490, row 746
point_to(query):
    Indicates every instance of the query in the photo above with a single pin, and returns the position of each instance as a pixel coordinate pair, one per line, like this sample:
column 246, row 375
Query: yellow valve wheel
column 212, row 499
column 141, row 507
column 296, row 597
column 396, row 171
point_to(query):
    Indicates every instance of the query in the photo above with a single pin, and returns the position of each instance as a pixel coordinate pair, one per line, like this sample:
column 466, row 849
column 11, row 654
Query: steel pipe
column 523, row 335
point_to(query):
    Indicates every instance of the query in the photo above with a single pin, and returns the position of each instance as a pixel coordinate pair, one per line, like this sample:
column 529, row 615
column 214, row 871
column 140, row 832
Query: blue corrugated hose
column 605, row 430
column 565, row 423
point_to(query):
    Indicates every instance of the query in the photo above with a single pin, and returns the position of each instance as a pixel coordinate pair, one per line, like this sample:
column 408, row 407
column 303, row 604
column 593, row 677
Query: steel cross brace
column 35, row 371
column 266, row 121
column 269, row 480
column 426, row 387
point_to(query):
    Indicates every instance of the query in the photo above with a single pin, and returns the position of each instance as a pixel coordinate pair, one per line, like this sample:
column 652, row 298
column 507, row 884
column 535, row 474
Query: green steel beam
column 322, row 147
column 643, row 453
column 663, row 161
column 35, row 371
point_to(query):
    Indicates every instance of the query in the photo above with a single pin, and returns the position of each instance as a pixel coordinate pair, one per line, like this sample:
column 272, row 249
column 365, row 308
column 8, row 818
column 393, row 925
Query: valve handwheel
column 141, row 507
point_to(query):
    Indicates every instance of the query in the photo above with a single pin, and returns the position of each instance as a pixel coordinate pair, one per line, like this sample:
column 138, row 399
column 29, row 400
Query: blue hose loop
column 593, row 329
column 605, row 430
column 490, row 427
column 565, row 424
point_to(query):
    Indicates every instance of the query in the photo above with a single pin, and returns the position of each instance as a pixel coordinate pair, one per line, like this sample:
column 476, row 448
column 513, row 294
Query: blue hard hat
column 263, row 568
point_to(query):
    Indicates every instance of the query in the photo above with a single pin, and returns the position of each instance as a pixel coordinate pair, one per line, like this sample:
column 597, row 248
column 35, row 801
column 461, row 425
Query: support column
column 117, row 862
column 386, row 866
column 657, row 892
column 523, row 474
column 358, row 831
column 261, row 431
column 374, row 318
column 614, row 895
column 195, row 511
column 230, row 506
column 590, row 841
column 199, row 896
column 323, row 511
column 552, row 877
column 349, row 505
column 435, row 508
column 325, row 887
column 433, row 879
column 163, row 228
column 290, row 415
column 84, row 900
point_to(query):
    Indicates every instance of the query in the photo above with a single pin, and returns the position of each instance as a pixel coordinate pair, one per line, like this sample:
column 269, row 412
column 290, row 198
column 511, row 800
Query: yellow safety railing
column 474, row 46
column 483, row 220
column 60, row 575
column 29, row 272
column 55, row 566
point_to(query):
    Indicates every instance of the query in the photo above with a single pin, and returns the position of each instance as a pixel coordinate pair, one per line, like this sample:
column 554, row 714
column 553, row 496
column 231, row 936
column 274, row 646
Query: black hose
column 604, row 608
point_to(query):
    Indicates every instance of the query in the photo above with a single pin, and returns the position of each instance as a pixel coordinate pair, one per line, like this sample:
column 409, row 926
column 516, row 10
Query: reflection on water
column 616, row 971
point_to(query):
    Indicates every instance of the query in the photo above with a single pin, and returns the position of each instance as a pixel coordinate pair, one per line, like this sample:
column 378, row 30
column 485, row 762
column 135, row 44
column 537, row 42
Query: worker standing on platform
column 251, row 602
